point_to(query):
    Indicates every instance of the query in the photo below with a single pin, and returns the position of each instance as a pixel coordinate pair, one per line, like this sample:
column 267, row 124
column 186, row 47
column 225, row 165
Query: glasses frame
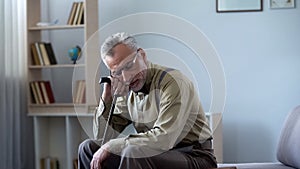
column 124, row 67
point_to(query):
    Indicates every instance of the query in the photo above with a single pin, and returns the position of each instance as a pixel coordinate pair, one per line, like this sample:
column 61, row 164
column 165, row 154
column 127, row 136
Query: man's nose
column 127, row 76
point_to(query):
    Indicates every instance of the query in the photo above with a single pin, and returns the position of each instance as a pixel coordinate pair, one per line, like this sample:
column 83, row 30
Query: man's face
column 128, row 65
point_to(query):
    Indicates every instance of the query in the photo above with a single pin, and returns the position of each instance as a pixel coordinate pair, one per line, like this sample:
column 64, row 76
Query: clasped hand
column 100, row 155
column 117, row 88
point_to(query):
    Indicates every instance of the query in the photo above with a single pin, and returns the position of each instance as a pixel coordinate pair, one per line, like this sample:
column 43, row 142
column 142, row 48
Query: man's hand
column 107, row 93
column 99, row 157
column 119, row 87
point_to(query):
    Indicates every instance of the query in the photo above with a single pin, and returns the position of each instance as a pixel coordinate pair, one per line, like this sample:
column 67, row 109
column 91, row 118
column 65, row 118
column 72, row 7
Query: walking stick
column 112, row 108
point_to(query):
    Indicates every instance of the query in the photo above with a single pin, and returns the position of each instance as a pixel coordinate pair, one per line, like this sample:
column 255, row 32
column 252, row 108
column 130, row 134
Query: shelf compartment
column 56, row 66
column 55, row 27
column 49, row 136
column 78, row 129
column 57, row 109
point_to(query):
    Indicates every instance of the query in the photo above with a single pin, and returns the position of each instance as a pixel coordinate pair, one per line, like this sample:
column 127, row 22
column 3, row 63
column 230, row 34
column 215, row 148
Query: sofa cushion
column 288, row 150
column 257, row 166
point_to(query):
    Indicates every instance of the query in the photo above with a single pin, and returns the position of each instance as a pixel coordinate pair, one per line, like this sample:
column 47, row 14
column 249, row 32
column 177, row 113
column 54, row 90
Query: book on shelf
column 81, row 14
column 75, row 91
column 45, row 95
column 72, row 13
column 77, row 13
column 39, row 52
column 49, row 163
column 35, row 98
column 35, row 56
column 75, row 163
column 76, row 16
column 41, row 92
column 79, row 95
column 50, row 53
column 49, row 91
column 42, row 54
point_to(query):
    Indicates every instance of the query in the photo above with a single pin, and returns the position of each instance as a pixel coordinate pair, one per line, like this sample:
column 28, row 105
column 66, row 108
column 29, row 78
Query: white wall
column 260, row 54
column 259, row 51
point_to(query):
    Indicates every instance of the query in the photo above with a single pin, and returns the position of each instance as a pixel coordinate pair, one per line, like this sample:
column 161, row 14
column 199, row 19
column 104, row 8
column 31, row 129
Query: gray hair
column 116, row 39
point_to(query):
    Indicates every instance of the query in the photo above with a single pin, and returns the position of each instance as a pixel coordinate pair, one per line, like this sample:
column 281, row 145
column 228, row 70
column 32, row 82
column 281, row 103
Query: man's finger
column 94, row 164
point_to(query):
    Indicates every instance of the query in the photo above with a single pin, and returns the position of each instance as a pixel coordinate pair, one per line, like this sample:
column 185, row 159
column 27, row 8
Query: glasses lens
column 126, row 67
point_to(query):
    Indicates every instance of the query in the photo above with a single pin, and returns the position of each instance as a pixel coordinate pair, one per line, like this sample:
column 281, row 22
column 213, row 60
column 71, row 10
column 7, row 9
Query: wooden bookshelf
column 59, row 127
column 89, row 60
column 38, row 28
column 55, row 66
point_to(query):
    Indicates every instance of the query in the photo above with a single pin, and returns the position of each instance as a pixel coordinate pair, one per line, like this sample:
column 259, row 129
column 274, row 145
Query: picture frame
column 239, row 5
column 280, row 4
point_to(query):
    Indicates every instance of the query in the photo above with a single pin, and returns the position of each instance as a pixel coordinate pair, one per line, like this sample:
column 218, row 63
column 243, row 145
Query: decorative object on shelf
column 275, row 4
column 47, row 23
column 239, row 6
column 74, row 54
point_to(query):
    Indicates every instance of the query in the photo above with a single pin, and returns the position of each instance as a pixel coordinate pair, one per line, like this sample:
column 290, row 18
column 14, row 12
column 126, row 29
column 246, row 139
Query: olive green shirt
column 166, row 111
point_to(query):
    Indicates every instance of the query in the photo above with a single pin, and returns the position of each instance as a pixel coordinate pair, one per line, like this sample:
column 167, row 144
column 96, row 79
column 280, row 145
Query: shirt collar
column 146, row 88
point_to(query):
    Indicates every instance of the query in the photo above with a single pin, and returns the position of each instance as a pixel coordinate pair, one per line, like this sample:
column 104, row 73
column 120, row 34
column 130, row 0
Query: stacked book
column 41, row 92
column 79, row 95
column 75, row 163
column 49, row 163
column 42, row 54
column 76, row 16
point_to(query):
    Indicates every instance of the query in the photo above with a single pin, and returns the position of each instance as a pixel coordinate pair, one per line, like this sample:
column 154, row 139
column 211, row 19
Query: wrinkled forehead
column 121, row 55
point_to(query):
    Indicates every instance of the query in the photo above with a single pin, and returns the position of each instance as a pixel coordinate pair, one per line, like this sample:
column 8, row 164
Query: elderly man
column 163, row 106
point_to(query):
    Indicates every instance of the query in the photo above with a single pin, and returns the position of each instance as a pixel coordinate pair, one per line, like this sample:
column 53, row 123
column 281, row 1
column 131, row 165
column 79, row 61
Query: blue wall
column 260, row 53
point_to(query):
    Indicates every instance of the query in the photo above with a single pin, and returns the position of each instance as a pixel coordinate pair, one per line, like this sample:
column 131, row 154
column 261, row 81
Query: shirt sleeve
column 175, row 119
column 120, row 119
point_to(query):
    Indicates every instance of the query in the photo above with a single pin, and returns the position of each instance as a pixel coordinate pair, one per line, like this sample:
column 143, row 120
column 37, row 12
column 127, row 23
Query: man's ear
column 143, row 53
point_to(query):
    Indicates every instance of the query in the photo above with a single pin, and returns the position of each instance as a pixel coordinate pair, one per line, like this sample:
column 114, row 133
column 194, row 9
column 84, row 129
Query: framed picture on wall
column 239, row 5
column 274, row 4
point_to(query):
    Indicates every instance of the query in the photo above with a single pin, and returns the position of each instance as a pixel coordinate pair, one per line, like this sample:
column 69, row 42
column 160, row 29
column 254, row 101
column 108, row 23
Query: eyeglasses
column 126, row 67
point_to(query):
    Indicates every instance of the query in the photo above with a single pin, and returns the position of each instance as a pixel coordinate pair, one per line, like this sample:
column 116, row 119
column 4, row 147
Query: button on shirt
column 166, row 112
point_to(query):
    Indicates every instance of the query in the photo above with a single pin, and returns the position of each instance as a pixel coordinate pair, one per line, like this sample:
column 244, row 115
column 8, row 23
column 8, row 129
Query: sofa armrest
column 225, row 168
